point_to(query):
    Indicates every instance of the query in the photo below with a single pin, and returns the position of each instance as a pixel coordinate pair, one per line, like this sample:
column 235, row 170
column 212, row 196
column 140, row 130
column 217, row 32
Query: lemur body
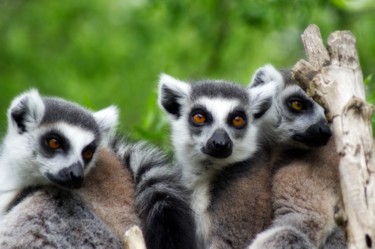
column 213, row 138
column 305, row 182
column 131, row 184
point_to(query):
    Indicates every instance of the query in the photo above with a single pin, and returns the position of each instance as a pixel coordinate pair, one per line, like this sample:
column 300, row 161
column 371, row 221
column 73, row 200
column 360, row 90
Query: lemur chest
column 241, row 205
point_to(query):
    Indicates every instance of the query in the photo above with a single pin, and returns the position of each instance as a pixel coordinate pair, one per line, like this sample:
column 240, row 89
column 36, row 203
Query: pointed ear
column 26, row 111
column 266, row 75
column 172, row 94
column 265, row 84
column 107, row 120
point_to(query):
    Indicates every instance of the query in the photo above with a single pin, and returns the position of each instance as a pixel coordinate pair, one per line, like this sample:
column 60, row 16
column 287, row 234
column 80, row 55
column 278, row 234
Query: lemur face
column 288, row 116
column 55, row 140
column 211, row 120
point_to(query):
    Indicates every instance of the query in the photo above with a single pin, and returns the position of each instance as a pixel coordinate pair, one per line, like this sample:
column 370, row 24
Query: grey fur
column 60, row 110
column 34, row 213
column 54, row 218
column 161, row 200
column 218, row 89
column 305, row 182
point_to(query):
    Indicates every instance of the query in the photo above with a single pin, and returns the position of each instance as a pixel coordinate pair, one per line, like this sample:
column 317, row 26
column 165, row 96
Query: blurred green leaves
column 104, row 52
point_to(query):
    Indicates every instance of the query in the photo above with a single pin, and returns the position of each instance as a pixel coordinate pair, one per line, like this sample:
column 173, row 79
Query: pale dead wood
column 133, row 239
column 333, row 78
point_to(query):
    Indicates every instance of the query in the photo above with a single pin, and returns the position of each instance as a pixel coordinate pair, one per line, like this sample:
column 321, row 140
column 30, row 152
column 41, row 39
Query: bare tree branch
column 333, row 78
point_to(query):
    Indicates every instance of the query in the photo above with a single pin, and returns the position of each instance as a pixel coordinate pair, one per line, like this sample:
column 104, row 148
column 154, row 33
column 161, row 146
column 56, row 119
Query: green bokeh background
column 104, row 52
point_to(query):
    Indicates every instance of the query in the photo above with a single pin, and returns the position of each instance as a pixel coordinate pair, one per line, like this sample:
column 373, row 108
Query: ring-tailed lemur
column 161, row 200
column 305, row 184
column 49, row 141
column 214, row 143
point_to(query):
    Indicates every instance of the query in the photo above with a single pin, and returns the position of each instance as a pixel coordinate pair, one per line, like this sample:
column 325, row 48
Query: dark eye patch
column 55, row 135
column 89, row 149
column 237, row 113
column 203, row 111
column 306, row 103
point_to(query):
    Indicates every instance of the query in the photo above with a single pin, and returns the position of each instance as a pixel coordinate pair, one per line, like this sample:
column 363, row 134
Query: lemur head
column 286, row 115
column 53, row 140
column 210, row 120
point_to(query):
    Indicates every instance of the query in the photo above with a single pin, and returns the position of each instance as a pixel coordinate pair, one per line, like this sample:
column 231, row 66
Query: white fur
column 197, row 167
column 188, row 149
column 270, row 237
column 178, row 86
column 35, row 106
column 78, row 139
column 271, row 74
column 21, row 164
column 107, row 120
column 20, row 168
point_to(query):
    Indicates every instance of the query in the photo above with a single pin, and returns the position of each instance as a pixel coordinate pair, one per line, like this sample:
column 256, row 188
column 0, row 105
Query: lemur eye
column 53, row 143
column 199, row 119
column 238, row 121
column 87, row 154
column 297, row 105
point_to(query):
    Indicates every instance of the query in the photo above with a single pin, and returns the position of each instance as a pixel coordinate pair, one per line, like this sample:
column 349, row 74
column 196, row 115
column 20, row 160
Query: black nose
column 321, row 131
column 219, row 145
column 70, row 177
column 316, row 135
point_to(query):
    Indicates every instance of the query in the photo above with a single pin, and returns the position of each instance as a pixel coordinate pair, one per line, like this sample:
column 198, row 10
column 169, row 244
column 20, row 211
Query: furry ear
column 26, row 111
column 107, row 120
column 172, row 94
column 266, row 75
column 265, row 84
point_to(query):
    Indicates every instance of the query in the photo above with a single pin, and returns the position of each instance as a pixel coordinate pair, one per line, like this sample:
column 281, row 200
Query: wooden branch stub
column 342, row 48
column 334, row 79
column 316, row 53
column 133, row 239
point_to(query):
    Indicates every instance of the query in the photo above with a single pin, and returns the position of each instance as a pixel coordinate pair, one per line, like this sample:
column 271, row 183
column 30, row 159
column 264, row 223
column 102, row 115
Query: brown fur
column 306, row 190
column 109, row 188
column 243, row 209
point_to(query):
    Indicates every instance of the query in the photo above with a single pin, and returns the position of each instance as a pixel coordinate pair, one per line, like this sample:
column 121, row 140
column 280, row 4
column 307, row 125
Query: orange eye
column 238, row 122
column 199, row 119
column 297, row 105
column 87, row 154
column 53, row 143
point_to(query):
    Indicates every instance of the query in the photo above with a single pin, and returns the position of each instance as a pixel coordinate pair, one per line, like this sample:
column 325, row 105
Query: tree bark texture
column 333, row 77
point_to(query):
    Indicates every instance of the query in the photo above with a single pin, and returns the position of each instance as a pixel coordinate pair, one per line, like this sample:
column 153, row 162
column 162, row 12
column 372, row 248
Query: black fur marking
column 263, row 107
column 18, row 115
column 59, row 110
column 147, row 167
column 197, row 129
column 170, row 101
column 258, row 81
column 226, row 90
column 54, row 134
column 168, row 220
column 149, row 183
column 21, row 196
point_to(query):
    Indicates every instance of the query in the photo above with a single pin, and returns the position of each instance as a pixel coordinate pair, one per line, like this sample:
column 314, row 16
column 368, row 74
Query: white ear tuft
column 26, row 111
column 265, row 84
column 107, row 120
column 266, row 75
column 172, row 94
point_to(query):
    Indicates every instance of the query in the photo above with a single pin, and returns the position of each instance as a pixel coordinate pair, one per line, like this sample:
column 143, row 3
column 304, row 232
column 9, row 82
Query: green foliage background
column 104, row 52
